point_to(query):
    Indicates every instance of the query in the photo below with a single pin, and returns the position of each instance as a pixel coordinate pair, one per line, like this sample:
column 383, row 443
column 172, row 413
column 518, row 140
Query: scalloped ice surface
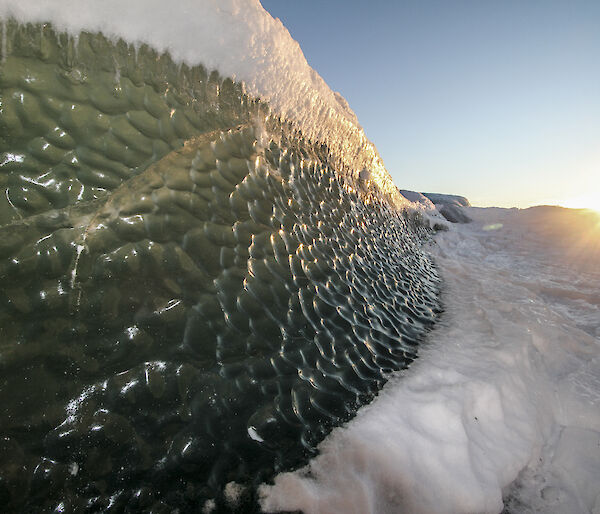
column 191, row 300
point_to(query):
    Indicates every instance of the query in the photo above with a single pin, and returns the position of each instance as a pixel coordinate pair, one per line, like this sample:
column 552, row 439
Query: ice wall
column 194, row 292
column 240, row 40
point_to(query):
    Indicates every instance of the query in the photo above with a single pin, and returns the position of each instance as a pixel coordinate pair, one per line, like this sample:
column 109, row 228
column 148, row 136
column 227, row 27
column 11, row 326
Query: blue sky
column 495, row 100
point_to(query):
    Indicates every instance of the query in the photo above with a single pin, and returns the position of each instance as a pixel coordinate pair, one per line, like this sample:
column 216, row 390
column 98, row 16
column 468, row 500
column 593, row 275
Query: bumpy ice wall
column 196, row 286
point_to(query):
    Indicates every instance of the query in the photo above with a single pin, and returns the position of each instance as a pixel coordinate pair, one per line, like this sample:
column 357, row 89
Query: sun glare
column 587, row 201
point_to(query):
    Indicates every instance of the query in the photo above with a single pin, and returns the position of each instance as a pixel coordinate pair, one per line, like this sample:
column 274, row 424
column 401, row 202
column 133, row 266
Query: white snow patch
column 209, row 506
column 233, row 493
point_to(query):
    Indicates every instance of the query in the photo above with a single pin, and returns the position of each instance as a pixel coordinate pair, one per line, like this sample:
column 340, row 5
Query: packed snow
column 503, row 406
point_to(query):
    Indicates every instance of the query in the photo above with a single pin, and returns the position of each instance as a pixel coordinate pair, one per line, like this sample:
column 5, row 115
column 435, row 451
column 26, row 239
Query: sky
column 498, row 101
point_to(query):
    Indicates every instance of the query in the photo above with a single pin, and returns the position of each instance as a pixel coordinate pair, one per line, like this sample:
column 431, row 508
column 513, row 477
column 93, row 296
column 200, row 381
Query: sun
column 586, row 201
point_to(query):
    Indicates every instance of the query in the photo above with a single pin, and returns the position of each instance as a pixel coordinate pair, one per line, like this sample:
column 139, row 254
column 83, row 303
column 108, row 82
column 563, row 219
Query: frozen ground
column 502, row 411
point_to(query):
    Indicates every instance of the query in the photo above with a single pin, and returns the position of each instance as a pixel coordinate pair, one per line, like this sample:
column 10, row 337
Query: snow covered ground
column 503, row 407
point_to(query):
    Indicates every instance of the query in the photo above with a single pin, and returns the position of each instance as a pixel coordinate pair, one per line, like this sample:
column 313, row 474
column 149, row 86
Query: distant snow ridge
column 439, row 198
column 240, row 40
column 450, row 206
